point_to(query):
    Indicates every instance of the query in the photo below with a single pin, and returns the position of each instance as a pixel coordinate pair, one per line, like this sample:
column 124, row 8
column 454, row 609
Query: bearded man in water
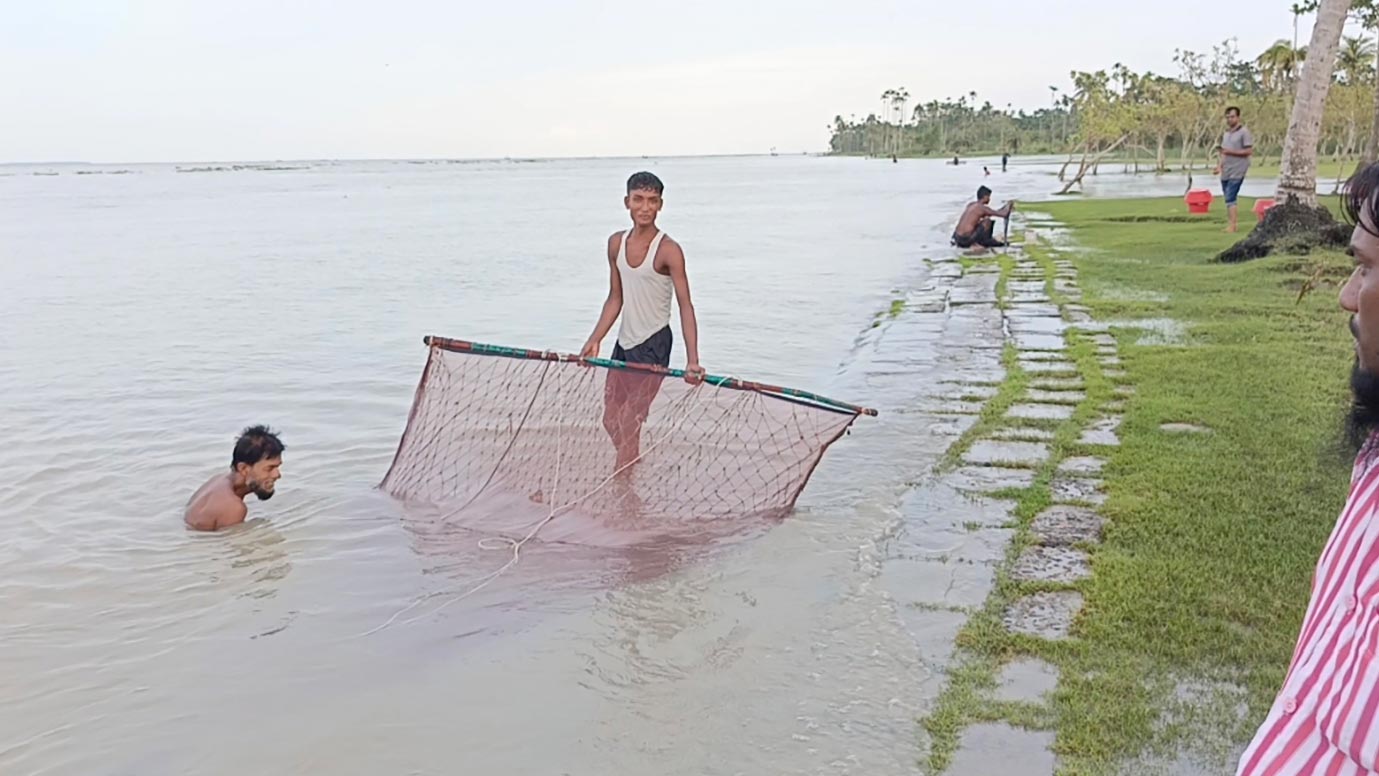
column 255, row 466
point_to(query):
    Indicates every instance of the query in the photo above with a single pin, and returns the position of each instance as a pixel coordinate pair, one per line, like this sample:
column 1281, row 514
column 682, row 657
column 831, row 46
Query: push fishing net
column 498, row 436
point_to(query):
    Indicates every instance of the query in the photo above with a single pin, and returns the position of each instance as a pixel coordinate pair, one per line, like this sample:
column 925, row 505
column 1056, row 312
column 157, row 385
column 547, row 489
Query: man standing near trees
column 1237, row 144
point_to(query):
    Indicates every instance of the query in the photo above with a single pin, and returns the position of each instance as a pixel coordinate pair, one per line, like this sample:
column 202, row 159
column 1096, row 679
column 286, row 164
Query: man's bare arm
column 612, row 305
column 689, row 325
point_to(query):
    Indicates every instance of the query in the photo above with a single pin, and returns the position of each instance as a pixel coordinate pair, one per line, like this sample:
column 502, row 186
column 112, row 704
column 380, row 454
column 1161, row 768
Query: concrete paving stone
column 1038, row 325
column 1102, row 432
column 933, row 632
column 1026, row 680
column 1044, row 615
column 1060, row 368
column 1033, row 310
column 1029, row 341
column 1058, row 384
column 1063, row 525
column 992, row 748
column 1077, row 489
column 1041, row 355
column 1051, row 564
column 1055, row 397
column 1082, row 465
column 987, row 479
column 987, row 452
column 1024, row 434
column 1040, row 411
column 1184, row 428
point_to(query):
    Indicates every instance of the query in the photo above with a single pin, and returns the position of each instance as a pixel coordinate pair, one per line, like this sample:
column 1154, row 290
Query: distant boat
column 773, row 151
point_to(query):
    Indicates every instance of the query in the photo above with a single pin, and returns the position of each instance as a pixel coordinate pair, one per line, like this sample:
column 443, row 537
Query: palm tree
column 1298, row 176
column 1298, row 10
column 840, row 131
column 898, row 99
column 1280, row 63
column 1355, row 62
column 887, row 105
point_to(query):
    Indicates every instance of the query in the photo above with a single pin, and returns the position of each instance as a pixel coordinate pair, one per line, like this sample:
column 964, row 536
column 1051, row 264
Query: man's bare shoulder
column 671, row 248
column 217, row 511
column 215, row 506
column 614, row 242
column 669, row 254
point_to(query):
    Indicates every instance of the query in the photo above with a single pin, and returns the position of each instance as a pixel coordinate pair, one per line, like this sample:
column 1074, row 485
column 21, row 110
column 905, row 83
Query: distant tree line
column 1167, row 122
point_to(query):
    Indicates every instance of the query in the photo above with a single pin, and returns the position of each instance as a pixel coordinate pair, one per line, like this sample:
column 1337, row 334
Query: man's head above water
column 1360, row 297
column 983, row 195
column 257, row 461
column 255, row 466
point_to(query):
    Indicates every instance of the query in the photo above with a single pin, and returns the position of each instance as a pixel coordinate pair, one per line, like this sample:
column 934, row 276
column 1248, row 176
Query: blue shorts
column 1231, row 188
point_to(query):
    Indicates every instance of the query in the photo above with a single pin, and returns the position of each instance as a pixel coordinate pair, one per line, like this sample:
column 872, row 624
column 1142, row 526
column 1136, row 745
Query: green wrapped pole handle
column 464, row 346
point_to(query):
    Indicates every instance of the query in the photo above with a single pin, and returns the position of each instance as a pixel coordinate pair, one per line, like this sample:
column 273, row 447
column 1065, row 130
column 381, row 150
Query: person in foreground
column 255, row 466
column 1325, row 719
column 645, row 266
column 977, row 222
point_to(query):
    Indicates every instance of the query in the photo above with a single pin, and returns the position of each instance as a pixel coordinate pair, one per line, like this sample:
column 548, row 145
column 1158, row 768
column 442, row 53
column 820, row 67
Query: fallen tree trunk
column 1086, row 165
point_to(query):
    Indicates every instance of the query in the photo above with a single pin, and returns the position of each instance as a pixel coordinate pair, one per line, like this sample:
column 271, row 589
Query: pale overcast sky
column 176, row 80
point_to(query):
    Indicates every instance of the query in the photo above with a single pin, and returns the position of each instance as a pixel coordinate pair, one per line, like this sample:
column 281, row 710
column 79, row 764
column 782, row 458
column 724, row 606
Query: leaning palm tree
column 1298, row 176
column 1297, row 214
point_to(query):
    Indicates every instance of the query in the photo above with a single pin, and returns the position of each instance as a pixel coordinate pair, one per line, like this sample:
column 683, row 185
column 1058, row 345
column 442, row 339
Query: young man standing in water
column 976, row 224
column 645, row 267
column 1325, row 718
column 255, row 466
column 1237, row 145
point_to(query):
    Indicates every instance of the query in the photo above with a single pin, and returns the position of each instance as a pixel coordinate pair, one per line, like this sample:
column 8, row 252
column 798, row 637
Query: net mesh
column 499, row 436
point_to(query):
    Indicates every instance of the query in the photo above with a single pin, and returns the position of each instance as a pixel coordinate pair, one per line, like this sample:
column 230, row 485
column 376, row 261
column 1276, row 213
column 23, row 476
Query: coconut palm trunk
column 1298, row 176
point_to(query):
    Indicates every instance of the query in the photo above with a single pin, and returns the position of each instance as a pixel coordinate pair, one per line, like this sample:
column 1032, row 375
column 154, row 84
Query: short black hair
column 255, row 444
column 1361, row 193
column 645, row 180
column 1233, row 109
column 983, row 191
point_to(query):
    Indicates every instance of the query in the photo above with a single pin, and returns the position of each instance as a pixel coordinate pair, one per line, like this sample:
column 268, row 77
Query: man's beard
column 258, row 490
column 1363, row 417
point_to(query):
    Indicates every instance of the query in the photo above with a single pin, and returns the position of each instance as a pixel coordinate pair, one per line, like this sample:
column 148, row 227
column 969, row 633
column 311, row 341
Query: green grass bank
column 1199, row 585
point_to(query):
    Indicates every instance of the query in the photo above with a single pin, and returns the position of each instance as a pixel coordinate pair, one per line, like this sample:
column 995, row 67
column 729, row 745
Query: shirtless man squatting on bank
column 976, row 224
column 645, row 266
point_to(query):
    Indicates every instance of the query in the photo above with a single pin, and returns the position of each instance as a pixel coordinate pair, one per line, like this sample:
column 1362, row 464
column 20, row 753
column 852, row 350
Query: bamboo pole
column 464, row 346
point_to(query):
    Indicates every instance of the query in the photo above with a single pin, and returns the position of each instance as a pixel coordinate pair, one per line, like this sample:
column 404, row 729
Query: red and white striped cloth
column 1325, row 720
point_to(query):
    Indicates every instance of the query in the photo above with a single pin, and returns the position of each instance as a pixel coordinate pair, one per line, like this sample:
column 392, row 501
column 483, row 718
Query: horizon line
column 460, row 159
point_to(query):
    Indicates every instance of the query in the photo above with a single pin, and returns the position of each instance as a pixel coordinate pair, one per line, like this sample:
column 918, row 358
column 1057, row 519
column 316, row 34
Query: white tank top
column 645, row 295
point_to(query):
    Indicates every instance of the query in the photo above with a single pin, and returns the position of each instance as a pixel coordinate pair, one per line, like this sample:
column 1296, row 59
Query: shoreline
column 1165, row 503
